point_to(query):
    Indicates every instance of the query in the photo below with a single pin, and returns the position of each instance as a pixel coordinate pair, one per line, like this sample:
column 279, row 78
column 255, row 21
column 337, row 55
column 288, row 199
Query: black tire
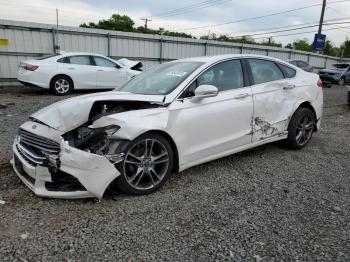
column 61, row 85
column 341, row 82
column 125, row 168
column 298, row 134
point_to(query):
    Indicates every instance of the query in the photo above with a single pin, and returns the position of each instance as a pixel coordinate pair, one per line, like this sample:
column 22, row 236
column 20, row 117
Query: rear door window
column 264, row 71
column 80, row 60
column 100, row 61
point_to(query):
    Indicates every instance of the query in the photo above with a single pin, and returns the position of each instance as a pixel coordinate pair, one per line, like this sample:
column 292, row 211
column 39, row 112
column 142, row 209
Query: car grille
column 34, row 148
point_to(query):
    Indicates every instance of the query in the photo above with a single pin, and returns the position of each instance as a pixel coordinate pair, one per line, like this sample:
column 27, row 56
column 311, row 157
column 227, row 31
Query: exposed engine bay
column 97, row 140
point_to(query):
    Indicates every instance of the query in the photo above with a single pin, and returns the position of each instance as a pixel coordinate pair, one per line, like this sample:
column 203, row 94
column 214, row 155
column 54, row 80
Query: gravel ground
column 266, row 204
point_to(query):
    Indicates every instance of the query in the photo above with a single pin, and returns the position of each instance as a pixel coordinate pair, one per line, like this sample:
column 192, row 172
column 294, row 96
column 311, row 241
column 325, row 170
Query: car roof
column 79, row 53
column 212, row 59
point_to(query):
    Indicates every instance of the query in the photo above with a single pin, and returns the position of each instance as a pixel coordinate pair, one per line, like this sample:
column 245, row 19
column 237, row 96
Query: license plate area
column 21, row 171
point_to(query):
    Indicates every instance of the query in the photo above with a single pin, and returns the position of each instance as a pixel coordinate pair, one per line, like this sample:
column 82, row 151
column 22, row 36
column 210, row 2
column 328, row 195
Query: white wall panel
column 28, row 40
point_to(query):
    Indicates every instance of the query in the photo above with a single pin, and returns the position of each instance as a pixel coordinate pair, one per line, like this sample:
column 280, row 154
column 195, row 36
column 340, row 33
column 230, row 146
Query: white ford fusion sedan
column 173, row 116
column 61, row 73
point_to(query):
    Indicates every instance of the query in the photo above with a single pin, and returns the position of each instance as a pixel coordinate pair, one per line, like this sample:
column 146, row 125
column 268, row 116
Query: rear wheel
column 61, row 85
column 301, row 128
column 147, row 164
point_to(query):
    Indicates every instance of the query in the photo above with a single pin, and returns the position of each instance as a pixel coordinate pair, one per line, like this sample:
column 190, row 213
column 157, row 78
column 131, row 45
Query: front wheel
column 147, row 164
column 301, row 128
column 341, row 82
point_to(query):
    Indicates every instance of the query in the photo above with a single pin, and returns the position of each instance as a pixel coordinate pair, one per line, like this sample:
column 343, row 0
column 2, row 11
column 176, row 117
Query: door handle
column 241, row 96
column 71, row 68
column 100, row 70
column 288, row 86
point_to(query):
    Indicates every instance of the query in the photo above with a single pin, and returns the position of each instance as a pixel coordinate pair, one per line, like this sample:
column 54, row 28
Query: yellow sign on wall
column 4, row 41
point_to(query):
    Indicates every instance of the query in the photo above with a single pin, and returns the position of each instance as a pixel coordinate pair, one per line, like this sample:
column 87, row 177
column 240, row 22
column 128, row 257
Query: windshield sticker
column 178, row 74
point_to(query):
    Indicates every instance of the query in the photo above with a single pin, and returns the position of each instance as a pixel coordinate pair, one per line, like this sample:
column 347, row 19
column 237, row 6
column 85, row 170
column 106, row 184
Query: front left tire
column 147, row 164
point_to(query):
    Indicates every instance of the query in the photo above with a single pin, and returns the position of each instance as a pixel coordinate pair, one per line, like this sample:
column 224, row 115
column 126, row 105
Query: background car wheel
column 61, row 85
column 341, row 82
column 147, row 164
column 300, row 128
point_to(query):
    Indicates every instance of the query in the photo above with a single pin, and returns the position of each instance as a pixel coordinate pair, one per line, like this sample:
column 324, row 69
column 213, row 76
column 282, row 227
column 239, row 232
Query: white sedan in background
column 61, row 73
column 172, row 117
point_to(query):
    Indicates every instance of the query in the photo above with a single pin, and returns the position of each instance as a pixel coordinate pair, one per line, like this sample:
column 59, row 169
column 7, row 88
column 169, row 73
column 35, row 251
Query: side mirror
column 205, row 91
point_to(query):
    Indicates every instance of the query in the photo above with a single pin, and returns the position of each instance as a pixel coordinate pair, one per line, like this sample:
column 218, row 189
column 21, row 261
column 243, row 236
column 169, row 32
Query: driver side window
column 225, row 76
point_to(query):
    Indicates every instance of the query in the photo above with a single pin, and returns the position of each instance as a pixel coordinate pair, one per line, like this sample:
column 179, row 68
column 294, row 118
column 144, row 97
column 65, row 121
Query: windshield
column 160, row 80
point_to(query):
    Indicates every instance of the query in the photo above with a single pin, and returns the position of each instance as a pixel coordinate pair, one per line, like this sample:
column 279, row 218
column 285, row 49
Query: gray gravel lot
column 266, row 204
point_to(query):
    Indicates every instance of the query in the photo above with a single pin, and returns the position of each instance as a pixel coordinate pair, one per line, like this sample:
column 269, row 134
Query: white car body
column 83, row 76
column 199, row 129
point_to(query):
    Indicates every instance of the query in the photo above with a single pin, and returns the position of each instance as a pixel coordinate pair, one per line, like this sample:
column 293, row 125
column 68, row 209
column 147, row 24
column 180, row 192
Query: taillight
column 319, row 83
column 31, row 67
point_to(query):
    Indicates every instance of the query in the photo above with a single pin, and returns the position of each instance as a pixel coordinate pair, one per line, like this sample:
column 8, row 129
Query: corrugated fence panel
column 29, row 40
column 9, row 65
column 219, row 50
column 331, row 61
column 181, row 50
column 298, row 56
column 317, row 61
column 280, row 55
column 254, row 51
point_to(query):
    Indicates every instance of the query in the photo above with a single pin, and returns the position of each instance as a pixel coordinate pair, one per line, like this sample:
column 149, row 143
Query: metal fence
column 28, row 40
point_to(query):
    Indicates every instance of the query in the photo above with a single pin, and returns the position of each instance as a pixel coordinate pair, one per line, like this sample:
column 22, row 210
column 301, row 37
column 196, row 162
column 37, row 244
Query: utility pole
column 321, row 18
column 146, row 21
column 57, row 46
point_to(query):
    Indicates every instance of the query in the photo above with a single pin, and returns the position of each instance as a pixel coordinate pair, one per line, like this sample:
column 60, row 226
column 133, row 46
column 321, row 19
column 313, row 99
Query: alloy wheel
column 62, row 86
column 146, row 164
column 304, row 130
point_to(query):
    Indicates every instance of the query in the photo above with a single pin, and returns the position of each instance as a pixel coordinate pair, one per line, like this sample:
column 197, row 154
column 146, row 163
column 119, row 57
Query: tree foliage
column 125, row 23
column 345, row 48
column 242, row 40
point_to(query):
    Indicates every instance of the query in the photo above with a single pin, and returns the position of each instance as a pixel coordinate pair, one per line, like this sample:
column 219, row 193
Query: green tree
column 116, row 22
column 330, row 49
column 345, row 48
column 125, row 23
column 302, row 45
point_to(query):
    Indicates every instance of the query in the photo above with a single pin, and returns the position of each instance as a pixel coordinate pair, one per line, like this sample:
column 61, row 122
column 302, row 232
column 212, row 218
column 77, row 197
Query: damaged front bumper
column 72, row 173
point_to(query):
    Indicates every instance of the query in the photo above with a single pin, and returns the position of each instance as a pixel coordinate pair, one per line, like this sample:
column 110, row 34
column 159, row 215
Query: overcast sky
column 75, row 12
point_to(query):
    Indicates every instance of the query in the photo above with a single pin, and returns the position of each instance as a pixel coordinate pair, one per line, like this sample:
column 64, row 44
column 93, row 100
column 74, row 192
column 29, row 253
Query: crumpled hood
column 71, row 113
column 129, row 63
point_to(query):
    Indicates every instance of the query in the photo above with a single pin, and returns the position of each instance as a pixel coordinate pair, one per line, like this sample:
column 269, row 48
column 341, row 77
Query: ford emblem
column 34, row 126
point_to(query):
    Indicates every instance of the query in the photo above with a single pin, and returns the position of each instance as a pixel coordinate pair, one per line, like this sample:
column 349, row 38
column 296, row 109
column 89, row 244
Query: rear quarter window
column 63, row 60
column 288, row 71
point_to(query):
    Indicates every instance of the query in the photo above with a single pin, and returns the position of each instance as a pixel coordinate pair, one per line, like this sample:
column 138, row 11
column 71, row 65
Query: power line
column 291, row 26
column 190, row 8
column 293, row 29
column 259, row 17
column 335, row 10
column 300, row 33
